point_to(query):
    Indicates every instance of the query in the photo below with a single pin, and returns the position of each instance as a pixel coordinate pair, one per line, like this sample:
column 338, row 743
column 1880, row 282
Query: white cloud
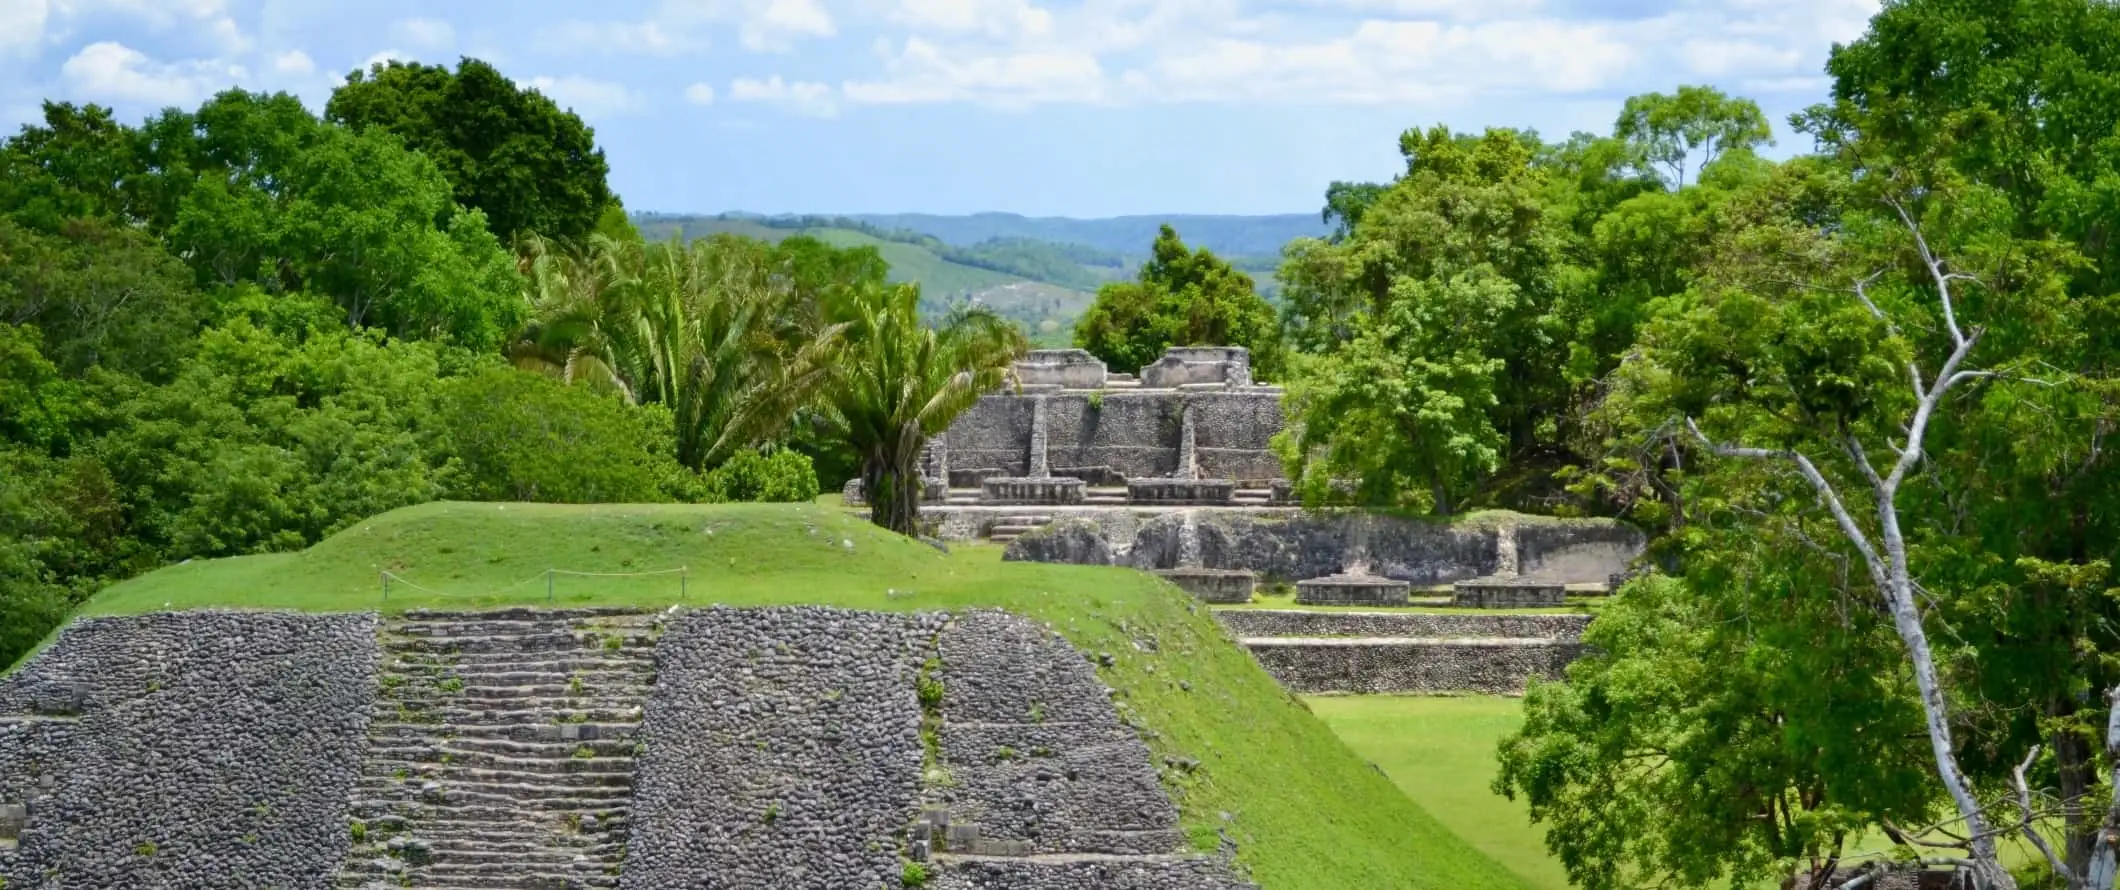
column 22, row 26
column 804, row 97
column 922, row 72
column 640, row 38
column 293, row 63
column 999, row 19
column 589, row 97
column 208, row 19
column 700, row 94
column 424, row 32
column 775, row 25
column 114, row 72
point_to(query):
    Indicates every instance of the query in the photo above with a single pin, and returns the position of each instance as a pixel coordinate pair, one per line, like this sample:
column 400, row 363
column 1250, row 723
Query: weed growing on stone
column 913, row 874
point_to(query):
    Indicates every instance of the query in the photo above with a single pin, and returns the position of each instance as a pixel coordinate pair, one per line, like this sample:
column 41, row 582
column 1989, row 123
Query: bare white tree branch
column 2027, row 818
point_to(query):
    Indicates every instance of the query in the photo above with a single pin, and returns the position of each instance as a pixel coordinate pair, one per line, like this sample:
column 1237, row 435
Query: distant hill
column 1042, row 272
column 1230, row 236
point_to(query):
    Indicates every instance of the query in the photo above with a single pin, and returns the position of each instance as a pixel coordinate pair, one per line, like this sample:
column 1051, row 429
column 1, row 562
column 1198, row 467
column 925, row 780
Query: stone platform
column 1213, row 585
column 1181, row 492
column 1352, row 590
column 1055, row 490
column 1371, row 665
column 1508, row 593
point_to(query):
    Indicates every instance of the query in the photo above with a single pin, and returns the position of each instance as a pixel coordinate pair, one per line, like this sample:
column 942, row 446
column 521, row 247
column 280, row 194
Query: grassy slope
column 1308, row 814
column 1440, row 751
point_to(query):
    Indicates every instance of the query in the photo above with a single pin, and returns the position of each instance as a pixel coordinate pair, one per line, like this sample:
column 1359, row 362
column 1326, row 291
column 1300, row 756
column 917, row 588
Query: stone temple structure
column 1190, row 430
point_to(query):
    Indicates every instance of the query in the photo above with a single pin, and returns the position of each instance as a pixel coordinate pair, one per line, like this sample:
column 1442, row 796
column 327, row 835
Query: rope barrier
column 683, row 573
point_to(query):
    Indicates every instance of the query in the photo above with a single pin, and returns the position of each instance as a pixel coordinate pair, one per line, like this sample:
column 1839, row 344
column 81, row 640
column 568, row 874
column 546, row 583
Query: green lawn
column 1440, row 751
column 1305, row 811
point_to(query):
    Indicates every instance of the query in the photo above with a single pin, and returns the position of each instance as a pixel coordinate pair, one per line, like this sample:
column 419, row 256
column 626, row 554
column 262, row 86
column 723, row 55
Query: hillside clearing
column 1305, row 812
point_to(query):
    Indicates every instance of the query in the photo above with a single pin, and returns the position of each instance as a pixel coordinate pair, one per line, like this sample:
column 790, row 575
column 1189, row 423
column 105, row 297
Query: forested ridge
column 1859, row 397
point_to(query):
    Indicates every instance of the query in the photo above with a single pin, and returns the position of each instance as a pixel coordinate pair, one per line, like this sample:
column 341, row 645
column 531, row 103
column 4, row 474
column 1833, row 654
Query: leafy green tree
column 104, row 296
column 1722, row 727
column 520, row 436
column 80, row 162
column 1182, row 297
column 700, row 329
column 1436, row 321
column 781, row 476
column 899, row 383
column 507, row 151
column 1686, row 130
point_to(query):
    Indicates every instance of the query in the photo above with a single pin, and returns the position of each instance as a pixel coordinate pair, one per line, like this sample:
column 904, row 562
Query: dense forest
column 1859, row 397
column 238, row 328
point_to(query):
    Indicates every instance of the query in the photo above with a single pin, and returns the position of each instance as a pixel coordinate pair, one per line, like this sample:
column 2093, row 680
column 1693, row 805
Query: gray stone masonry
column 1299, row 623
column 199, row 750
column 501, row 750
column 1192, row 365
column 1351, row 590
column 572, row 749
column 1289, row 545
column 1507, row 593
column 1213, row 585
column 1497, row 666
column 1071, row 368
column 783, row 750
column 1049, row 490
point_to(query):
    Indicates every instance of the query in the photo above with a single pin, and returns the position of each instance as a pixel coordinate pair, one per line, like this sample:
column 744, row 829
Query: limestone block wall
column 1287, row 546
column 1574, row 550
column 1132, row 434
column 209, row 750
column 1034, row 750
column 1298, row 623
column 782, row 750
column 1382, row 665
column 777, row 748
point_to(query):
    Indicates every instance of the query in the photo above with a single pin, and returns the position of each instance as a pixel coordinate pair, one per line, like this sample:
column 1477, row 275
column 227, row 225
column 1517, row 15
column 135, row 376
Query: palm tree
column 699, row 329
column 900, row 382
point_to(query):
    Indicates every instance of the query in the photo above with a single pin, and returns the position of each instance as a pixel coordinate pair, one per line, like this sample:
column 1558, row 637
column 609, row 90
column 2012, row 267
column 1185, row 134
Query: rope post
column 684, row 576
column 548, row 586
column 386, row 584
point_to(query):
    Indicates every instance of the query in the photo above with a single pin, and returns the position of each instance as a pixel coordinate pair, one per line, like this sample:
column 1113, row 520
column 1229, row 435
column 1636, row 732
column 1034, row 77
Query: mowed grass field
column 1248, row 763
column 1440, row 751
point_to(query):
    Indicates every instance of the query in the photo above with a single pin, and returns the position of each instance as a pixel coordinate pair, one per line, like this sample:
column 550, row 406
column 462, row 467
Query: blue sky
column 1041, row 107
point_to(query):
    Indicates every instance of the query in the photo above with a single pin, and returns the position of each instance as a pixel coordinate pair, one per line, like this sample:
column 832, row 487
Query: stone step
column 392, row 815
column 1489, row 665
column 387, row 760
column 542, row 642
column 543, row 690
column 512, row 712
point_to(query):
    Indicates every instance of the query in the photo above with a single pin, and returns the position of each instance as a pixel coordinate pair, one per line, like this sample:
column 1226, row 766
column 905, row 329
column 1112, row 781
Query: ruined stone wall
column 1296, row 623
column 782, row 750
column 777, row 747
column 207, row 750
column 1576, row 549
column 1393, row 665
column 1132, row 434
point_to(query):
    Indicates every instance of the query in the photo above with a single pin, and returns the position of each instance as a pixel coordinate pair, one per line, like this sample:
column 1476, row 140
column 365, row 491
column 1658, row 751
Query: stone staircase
column 1252, row 497
column 961, row 497
column 1009, row 528
column 501, row 751
column 1407, row 652
column 1108, row 496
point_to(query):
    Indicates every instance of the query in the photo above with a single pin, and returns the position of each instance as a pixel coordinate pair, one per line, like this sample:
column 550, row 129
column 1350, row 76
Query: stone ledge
column 1054, row 490
column 1299, row 623
column 1213, row 585
column 1177, row 492
column 1352, row 590
column 1500, row 593
column 1371, row 665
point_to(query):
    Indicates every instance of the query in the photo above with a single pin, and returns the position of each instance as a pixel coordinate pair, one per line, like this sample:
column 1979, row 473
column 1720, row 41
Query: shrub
column 781, row 477
column 521, row 436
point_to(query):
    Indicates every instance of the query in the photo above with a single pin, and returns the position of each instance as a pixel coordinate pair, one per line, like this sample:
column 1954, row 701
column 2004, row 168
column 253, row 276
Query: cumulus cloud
column 802, row 97
column 999, row 19
column 115, row 73
column 631, row 38
column 424, row 32
column 775, row 25
column 589, row 97
column 700, row 94
column 293, row 63
column 22, row 26
column 921, row 72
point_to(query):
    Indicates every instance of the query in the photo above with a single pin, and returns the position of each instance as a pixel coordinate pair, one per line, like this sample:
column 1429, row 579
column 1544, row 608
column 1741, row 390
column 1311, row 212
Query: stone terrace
column 501, row 751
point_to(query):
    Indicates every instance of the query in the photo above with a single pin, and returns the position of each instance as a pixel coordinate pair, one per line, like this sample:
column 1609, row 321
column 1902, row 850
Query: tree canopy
column 507, row 151
column 1181, row 297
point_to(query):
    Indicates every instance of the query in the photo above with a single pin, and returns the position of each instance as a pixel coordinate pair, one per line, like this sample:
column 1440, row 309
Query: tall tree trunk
column 893, row 485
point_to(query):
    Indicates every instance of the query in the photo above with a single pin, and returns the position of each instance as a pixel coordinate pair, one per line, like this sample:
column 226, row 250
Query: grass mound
column 1247, row 761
